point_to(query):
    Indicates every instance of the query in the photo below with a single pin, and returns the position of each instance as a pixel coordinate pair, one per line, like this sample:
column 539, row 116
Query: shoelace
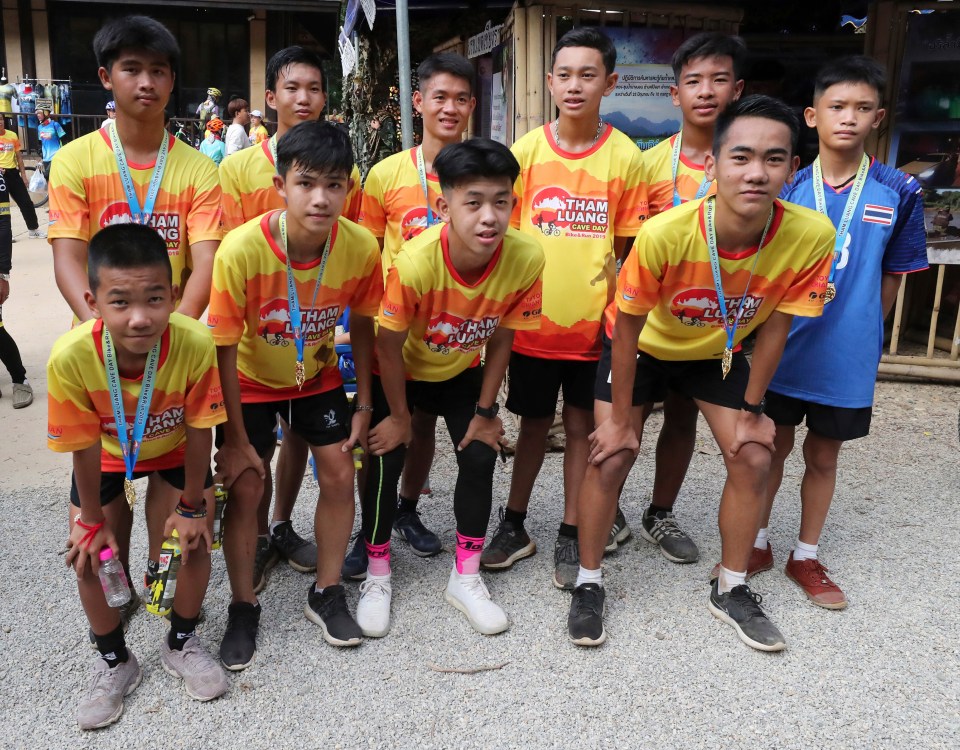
column 475, row 587
column 667, row 527
column 588, row 602
column 373, row 589
column 569, row 551
column 749, row 600
column 817, row 572
column 289, row 539
column 195, row 657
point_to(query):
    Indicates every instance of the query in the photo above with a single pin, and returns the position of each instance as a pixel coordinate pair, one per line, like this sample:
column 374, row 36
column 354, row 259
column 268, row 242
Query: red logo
column 446, row 332
column 554, row 211
column 415, row 221
column 275, row 327
column 699, row 307
column 166, row 225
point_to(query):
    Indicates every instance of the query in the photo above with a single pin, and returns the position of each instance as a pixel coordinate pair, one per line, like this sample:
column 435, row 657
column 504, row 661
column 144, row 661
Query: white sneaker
column 37, row 234
column 469, row 594
column 373, row 609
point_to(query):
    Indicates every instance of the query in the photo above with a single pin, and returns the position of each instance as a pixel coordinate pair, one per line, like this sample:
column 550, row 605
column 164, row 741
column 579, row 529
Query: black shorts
column 444, row 396
column 603, row 390
column 111, row 483
column 831, row 422
column 321, row 419
column 535, row 383
column 700, row 379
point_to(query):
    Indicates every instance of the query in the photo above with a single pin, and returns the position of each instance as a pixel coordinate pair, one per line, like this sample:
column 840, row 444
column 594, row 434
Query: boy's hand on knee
column 232, row 460
column 487, row 431
column 610, row 438
column 389, row 434
column 753, row 428
column 84, row 548
column 192, row 532
column 359, row 429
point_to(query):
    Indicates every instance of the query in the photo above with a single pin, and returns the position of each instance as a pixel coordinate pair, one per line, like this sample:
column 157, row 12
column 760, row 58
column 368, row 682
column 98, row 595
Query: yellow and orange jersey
column 86, row 195
column 450, row 320
column 575, row 205
column 393, row 206
column 186, row 393
column 246, row 178
column 9, row 148
column 668, row 277
column 258, row 134
column 657, row 174
column 249, row 306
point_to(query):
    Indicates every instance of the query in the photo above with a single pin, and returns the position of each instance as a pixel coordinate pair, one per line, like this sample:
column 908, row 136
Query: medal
column 129, row 444
column 848, row 210
column 293, row 299
column 732, row 319
column 139, row 215
column 704, row 186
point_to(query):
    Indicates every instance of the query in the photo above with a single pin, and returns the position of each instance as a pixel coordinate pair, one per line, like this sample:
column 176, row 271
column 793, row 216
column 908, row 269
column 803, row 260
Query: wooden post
column 521, row 120
column 931, row 339
column 535, row 67
column 897, row 319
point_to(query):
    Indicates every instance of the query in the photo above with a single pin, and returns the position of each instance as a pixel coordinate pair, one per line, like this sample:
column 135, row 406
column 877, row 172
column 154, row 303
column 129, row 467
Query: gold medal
column 830, row 292
column 129, row 492
column 726, row 362
column 299, row 374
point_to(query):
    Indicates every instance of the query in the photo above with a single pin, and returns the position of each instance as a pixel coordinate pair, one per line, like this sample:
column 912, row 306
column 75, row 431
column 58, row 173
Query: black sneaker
column 265, row 558
column 329, row 611
column 566, row 562
column 662, row 529
column 300, row 554
column 585, row 621
column 619, row 532
column 509, row 544
column 355, row 563
column 239, row 642
column 741, row 609
column 422, row 541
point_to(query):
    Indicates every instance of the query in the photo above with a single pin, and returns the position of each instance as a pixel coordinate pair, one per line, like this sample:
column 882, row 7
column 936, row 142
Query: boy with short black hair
column 708, row 76
column 581, row 196
column 736, row 262
column 296, row 89
column 456, row 288
column 134, row 392
column 878, row 212
column 280, row 283
column 399, row 201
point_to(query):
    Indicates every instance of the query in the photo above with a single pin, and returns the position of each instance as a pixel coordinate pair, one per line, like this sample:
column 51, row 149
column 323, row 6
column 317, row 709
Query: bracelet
column 91, row 530
column 362, row 407
column 187, row 511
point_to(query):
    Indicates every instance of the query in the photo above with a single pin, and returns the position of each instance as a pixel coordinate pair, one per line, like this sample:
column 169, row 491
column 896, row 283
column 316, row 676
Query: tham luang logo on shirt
column 166, row 225
column 555, row 212
column 447, row 332
column 415, row 221
column 274, row 326
column 699, row 308
column 158, row 425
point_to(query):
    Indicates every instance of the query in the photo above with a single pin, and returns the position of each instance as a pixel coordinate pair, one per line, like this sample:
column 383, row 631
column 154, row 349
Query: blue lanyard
column 293, row 299
column 129, row 445
column 422, row 171
column 140, row 216
column 729, row 326
column 704, row 186
column 848, row 210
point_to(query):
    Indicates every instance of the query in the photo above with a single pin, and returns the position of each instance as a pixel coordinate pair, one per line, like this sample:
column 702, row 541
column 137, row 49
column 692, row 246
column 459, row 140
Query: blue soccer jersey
column 833, row 359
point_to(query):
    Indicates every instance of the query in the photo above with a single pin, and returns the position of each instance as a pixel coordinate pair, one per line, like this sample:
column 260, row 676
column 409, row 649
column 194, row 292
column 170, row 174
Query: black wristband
column 754, row 408
column 187, row 511
column 488, row 413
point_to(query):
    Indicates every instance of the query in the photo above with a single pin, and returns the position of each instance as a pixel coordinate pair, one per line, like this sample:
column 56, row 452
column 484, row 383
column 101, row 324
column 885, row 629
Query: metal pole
column 403, row 63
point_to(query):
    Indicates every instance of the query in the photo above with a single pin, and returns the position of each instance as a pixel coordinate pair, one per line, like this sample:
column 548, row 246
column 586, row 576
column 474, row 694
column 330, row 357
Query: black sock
column 516, row 517
column 568, row 530
column 181, row 630
column 112, row 647
column 655, row 509
column 405, row 505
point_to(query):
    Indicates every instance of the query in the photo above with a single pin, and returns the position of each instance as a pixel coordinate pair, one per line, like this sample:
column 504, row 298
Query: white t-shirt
column 236, row 139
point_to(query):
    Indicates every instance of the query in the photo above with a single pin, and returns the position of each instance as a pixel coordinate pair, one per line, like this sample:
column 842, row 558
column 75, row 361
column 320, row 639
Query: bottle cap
column 105, row 554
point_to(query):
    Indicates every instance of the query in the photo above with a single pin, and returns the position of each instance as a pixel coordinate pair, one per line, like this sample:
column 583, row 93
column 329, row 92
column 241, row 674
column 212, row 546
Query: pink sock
column 378, row 559
column 468, row 554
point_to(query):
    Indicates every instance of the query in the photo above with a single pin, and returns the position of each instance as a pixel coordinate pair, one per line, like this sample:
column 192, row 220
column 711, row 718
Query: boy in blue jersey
column 878, row 212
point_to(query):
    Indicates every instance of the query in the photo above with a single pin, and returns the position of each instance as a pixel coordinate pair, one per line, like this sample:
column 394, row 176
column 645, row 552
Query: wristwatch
column 754, row 408
column 490, row 412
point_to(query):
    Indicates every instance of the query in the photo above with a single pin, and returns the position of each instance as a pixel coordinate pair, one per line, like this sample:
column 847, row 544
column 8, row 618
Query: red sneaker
column 760, row 560
column 812, row 577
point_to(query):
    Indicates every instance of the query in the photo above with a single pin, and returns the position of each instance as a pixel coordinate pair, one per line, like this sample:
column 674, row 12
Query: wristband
column 187, row 511
column 362, row 407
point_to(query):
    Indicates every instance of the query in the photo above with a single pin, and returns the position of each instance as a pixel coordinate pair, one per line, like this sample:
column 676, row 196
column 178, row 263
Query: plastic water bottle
column 166, row 586
column 116, row 590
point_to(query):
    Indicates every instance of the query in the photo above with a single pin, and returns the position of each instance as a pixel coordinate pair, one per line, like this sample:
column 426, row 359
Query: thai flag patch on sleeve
column 875, row 214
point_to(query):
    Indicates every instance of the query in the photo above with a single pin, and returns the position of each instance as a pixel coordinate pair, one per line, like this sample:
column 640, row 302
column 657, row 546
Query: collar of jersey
column 774, row 226
column 132, row 164
column 431, row 176
column 491, row 264
column 548, row 134
column 278, row 251
column 97, row 334
column 685, row 161
column 849, row 185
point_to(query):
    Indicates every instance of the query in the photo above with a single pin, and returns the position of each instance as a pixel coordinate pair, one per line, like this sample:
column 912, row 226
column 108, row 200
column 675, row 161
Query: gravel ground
column 883, row 673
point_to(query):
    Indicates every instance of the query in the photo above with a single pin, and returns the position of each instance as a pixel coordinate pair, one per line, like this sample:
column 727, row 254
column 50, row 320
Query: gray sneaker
column 22, row 395
column 290, row 546
column 619, row 533
column 740, row 608
column 509, row 544
column 264, row 559
column 566, row 562
column 662, row 529
column 203, row 678
column 102, row 704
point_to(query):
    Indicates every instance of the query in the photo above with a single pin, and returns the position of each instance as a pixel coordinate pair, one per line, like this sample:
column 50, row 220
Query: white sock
column 761, row 541
column 805, row 551
column 273, row 526
column 590, row 576
column 730, row 579
column 318, row 588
